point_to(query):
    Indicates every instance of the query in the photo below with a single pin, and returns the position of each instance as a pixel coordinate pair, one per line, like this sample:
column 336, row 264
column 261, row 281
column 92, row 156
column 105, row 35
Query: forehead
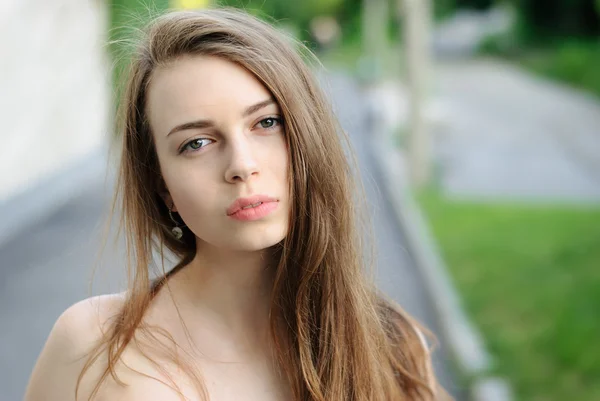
column 200, row 87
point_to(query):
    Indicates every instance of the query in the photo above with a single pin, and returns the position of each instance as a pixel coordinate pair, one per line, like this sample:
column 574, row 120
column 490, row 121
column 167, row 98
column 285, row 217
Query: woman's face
column 222, row 152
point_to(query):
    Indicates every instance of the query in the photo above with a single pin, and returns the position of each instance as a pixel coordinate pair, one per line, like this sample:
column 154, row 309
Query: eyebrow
column 199, row 124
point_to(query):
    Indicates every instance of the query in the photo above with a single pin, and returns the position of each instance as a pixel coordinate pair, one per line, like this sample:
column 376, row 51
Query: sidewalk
column 398, row 275
column 506, row 134
column 500, row 133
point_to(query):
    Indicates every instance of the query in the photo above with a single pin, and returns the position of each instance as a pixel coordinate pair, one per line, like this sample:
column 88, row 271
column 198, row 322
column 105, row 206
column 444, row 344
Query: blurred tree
column 474, row 4
column 444, row 8
column 298, row 13
column 541, row 20
column 350, row 18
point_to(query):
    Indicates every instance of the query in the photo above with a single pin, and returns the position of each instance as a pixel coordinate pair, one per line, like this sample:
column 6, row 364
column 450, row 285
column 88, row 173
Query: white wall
column 54, row 88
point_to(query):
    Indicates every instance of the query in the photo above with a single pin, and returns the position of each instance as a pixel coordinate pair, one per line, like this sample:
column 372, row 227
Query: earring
column 176, row 231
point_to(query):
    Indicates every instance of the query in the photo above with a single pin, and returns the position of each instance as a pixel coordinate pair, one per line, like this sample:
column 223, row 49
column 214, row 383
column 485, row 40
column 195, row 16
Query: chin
column 253, row 246
column 257, row 240
column 250, row 239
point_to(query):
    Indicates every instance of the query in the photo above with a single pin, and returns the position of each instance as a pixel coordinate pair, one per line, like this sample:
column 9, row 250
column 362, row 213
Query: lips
column 249, row 203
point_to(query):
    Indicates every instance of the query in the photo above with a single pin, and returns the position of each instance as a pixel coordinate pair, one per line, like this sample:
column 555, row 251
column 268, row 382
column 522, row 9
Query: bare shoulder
column 86, row 319
column 75, row 333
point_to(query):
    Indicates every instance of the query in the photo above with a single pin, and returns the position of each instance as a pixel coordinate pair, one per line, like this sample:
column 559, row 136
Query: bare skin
column 215, row 309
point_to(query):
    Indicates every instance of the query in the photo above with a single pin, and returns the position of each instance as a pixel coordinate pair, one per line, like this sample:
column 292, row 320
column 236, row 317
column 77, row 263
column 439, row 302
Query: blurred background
column 492, row 108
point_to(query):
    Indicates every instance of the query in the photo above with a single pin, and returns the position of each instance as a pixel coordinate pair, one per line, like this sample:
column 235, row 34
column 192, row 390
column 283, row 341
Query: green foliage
column 573, row 62
column 444, row 8
column 554, row 38
column 475, row 4
column 125, row 17
column 529, row 277
column 542, row 20
column 296, row 13
column 506, row 45
column 350, row 18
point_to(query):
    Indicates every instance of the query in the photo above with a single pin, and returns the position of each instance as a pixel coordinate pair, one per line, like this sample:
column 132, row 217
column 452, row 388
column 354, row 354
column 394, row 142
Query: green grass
column 530, row 278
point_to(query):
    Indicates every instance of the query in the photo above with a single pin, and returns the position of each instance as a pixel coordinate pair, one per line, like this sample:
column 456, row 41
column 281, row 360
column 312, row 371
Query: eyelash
column 185, row 146
column 276, row 119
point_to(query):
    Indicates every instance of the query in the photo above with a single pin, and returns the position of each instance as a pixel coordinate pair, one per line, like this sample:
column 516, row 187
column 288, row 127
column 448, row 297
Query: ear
column 168, row 199
column 165, row 195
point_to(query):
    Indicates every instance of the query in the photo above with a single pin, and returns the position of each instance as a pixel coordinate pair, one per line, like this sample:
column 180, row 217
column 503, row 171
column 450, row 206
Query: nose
column 242, row 163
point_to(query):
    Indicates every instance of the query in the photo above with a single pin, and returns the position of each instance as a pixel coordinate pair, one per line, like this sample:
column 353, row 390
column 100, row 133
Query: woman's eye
column 269, row 123
column 195, row 144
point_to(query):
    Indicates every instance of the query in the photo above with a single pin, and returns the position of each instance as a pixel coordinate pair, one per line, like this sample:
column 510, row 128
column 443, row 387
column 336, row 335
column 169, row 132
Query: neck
column 231, row 288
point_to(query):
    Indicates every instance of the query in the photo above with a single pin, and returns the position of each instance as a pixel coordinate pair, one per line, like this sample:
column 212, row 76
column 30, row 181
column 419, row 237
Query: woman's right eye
column 195, row 145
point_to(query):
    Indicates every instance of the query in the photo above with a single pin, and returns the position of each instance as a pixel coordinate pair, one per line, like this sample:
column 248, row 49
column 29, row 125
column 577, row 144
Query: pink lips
column 252, row 208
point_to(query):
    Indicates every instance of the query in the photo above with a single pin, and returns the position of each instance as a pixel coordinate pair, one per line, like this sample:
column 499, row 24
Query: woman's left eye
column 269, row 123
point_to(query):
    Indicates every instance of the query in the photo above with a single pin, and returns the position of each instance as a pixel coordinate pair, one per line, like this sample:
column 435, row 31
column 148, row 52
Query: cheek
column 277, row 165
column 280, row 158
column 282, row 161
column 287, row 162
column 190, row 189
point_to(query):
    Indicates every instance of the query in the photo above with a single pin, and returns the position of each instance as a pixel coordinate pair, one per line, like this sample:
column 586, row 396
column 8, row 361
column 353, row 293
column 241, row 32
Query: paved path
column 510, row 135
column 396, row 272
column 42, row 272
column 500, row 133
column 48, row 268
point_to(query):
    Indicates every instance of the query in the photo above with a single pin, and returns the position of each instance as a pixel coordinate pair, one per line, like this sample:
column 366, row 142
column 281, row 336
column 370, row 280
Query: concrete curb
column 465, row 343
column 40, row 200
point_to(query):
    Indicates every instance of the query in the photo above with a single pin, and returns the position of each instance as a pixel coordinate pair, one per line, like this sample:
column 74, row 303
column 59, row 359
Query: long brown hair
column 336, row 337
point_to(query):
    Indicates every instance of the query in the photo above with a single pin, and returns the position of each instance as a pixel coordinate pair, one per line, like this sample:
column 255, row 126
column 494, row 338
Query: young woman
column 232, row 161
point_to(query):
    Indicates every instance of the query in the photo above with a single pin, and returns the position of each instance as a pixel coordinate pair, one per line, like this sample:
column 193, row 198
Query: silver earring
column 176, row 231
